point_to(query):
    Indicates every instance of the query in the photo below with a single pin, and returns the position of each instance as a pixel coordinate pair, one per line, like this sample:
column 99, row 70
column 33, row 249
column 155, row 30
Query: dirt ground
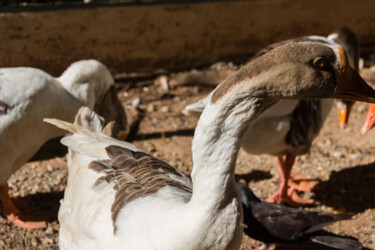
column 343, row 160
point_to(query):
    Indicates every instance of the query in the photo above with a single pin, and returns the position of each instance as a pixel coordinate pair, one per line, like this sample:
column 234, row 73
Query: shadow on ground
column 40, row 206
column 166, row 134
column 350, row 190
column 255, row 175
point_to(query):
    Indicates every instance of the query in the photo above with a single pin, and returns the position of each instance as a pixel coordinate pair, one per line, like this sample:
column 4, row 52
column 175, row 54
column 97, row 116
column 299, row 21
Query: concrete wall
column 172, row 36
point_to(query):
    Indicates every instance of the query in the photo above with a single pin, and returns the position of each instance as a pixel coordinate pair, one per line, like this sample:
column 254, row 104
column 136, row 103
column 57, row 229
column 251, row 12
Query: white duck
column 27, row 95
column 288, row 128
column 119, row 197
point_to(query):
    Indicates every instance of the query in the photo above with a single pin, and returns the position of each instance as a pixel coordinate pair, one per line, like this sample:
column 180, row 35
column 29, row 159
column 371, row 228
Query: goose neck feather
column 87, row 80
column 216, row 144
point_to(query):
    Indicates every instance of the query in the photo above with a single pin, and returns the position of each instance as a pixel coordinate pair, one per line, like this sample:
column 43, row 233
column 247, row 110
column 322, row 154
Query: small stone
column 163, row 82
column 151, row 108
column 49, row 230
column 365, row 152
column 136, row 101
column 196, row 90
column 362, row 108
column 165, row 109
column 336, row 154
column 353, row 156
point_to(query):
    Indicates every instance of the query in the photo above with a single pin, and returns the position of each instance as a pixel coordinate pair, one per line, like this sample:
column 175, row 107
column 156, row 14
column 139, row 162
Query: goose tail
column 85, row 121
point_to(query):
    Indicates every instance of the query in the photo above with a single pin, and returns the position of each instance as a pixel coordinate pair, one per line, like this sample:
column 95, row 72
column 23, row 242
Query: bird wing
column 134, row 175
column 129, row 172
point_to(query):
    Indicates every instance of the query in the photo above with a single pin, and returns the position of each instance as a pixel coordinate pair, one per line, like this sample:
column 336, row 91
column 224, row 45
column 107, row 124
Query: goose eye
column 320, row 63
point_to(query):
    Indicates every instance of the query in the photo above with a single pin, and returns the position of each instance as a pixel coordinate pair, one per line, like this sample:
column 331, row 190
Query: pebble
column 362, row 108
column 151, row 108
column 136, row 101
column 165, row 109
column 146, row 89
column 337, row 154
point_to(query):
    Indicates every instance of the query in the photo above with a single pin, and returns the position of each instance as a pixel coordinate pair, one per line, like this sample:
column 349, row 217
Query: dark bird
column 279, row 224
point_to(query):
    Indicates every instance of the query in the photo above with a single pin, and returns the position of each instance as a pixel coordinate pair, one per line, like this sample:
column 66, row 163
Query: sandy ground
column 342, row 159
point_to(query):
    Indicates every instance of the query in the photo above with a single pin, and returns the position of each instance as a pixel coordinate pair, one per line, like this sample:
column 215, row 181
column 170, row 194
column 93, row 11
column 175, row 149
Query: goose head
column 91, row 82
column 305, row 70
column 348, row 41
column 294, row 71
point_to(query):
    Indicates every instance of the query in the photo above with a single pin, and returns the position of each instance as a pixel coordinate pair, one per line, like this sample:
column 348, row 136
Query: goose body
column 288, row 127
column 119, row 197
column 272, row 135
column 27, row 95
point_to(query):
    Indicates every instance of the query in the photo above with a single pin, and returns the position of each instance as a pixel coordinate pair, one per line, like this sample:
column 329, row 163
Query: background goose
column 276, row 223
column 120, row 197
column 27, row 95
column 288, row 128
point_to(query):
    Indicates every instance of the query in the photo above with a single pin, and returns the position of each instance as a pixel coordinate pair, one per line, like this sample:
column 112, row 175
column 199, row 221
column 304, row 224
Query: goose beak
column 351, row 86
column 370, row 119
column 343, row 110
column 343, row 116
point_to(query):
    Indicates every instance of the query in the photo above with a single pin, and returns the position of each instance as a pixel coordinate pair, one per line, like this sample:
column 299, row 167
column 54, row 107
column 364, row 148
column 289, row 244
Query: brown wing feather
column 135, row 175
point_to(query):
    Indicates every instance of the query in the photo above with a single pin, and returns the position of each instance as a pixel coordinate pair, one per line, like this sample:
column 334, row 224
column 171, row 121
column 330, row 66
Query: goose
column 27, row 95
column 288, row 128
column 118, row 196
column 282, row 225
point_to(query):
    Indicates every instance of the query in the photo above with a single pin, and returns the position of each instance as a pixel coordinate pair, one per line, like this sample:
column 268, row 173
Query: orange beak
column 370, row 119
column 343, row 116
column 351, row 86
column 343, row 110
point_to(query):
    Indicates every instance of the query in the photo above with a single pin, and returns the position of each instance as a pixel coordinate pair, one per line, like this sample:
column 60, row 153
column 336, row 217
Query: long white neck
column 215, row 148
column 86, row 80
column 82, row 91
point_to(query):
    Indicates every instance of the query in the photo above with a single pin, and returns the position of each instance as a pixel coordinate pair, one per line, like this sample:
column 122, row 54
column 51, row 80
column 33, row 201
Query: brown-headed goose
column 27, row 95
column 288, row 128
column 119, row 197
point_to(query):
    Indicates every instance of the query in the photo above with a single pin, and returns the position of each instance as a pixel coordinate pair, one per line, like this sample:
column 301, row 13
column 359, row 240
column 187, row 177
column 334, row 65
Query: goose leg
column 285, row 195
column 13, row 214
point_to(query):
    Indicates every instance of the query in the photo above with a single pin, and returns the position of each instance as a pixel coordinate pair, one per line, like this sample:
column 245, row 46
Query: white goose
column 119, row 197
column 27, row 95
column 288, row 128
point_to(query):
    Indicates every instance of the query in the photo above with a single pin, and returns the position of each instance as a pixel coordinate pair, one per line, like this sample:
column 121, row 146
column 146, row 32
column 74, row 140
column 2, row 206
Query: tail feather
column 85, row 121
column 89, row 119
column 337, row 242
column 88, row 136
